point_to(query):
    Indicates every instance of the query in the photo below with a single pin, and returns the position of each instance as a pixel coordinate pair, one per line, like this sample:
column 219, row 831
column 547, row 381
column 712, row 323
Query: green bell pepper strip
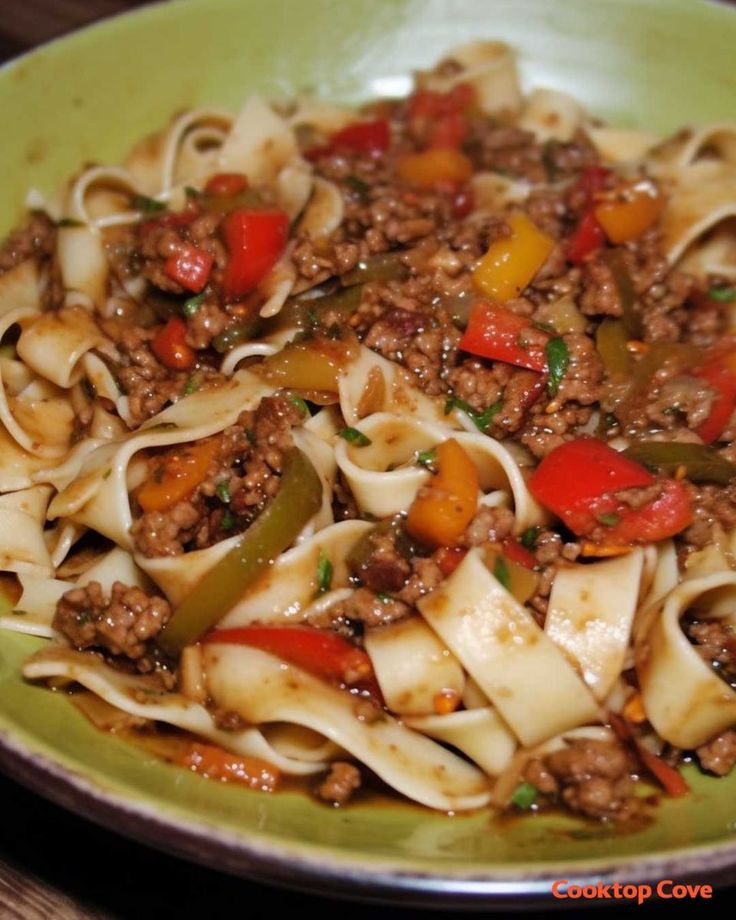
column 236, row 335
column 701, row 463
column 386, row 266
column 610, row 341
column 298, row 499
column 631, row 312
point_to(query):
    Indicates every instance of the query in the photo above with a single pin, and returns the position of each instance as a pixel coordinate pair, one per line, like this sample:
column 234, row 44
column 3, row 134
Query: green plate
column 655, row 63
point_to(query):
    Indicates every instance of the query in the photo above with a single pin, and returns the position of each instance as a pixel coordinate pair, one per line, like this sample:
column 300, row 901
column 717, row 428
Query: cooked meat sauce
column 400, row 275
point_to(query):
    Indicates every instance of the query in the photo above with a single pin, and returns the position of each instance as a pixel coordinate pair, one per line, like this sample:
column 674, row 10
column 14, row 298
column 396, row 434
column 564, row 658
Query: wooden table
column 55, row 866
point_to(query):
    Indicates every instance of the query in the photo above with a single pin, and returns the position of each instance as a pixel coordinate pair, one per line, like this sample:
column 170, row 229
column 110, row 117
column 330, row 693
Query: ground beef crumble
column 593, row 778
column 123, row 623
column 341, row 782
column 241, row 480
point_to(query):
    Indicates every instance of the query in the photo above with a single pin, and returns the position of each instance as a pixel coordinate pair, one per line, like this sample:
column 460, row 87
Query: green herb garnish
column 222, row 491
column 193, row 383
column 529, row 537
column 146, row 204
column 324, row 573
column 501, row 571
column 190, row 307
column 427, row 458
column 558, row 357
column 300, row 404
column 353, row 436
column 525, row 795
column 722, row 294
column 228, row 520
column 609, row 518
column 69, row 222
column 383, row 597
column 481, row 420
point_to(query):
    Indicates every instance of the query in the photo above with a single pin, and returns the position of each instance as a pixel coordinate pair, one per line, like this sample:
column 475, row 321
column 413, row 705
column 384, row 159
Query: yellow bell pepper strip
column 512, row 261
column 439, row 164
column 176, row 474
column 445, row 506
column 610, row 341
column 314, row 364
column 630, row 211
column 298, row 499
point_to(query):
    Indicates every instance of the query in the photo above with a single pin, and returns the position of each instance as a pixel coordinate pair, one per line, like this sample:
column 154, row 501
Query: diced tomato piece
column 190, row 268
column 170, row 346
column 255, row 241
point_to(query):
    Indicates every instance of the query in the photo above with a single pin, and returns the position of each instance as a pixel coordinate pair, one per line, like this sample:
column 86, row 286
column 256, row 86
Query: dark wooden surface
column 56, row 866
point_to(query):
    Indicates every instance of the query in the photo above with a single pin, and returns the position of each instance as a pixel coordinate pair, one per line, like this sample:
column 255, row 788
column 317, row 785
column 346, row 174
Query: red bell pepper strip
column 515, row 552
column 588, row 236
column 173, row 219
column 225, row 185
column 722, row 379
column 255, row 241
column 497, row 333
column 448, row 558
column 190, row 268
column 362, row 137
column 322, row 653
column 578, row 482
column 170, row 346
column 449, row 130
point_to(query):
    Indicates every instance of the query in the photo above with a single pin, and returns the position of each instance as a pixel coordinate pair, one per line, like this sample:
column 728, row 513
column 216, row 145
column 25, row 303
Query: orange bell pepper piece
column 447, row 504
column 176, row 475
column 633, row 210
column 512, row 261
column 435, row 165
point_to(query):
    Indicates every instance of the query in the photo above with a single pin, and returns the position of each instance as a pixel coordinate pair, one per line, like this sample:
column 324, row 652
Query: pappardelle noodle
column 396, row 443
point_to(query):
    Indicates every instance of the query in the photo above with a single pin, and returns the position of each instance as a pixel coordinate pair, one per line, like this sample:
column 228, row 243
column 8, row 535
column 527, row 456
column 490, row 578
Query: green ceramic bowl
column 659, row 63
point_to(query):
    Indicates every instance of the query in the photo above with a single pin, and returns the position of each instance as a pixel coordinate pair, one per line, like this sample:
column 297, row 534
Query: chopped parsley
column 609, row 519
column 146, row 204
column 190, row 191
column 353, row 436
column 228, row 520
column 525, row 795
column 223, row 493
column 501, row 571
column 481, row 420
column 324, row 573
column 558, row 357
column 383, row 597
column 190, row 307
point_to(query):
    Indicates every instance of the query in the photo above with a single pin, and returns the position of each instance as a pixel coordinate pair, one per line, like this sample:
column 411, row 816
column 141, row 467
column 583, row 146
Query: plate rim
column 277, row 861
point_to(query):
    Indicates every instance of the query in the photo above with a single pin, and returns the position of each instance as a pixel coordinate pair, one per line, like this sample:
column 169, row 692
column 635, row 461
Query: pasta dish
column 392, row 445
